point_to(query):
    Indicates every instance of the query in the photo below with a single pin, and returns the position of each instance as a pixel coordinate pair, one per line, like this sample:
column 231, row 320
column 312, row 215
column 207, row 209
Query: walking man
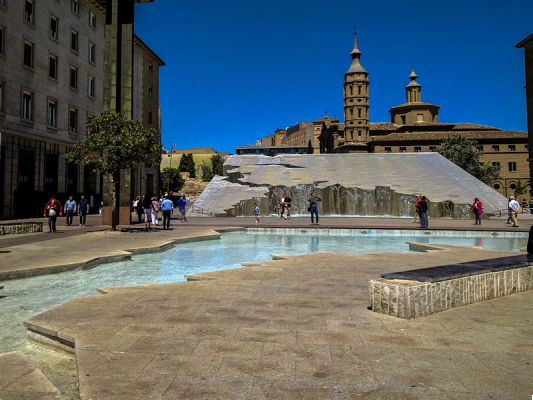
column 83, row 209
column 182, row 204
column 70, row 209
column 52, row 209
column 288, row 202
column 313, row 207
column 166, row 206
column 514, row 208
column 423, row 209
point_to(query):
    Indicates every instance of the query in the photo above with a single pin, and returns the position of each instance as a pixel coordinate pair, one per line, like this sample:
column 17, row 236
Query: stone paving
column 294, row 328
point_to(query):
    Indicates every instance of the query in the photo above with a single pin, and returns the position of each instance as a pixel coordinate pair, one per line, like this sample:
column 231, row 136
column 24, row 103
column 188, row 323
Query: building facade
column 52, row 78
column 51, row 82
column 527, row 45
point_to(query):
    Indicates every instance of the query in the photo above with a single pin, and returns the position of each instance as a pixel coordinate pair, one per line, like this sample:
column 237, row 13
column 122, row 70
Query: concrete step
column 20, row 380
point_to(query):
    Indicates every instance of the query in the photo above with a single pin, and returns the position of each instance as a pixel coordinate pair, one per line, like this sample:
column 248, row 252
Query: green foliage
column 270, row 153
column 464, row 153
column 310, row 149
column 187, row 165
column 215, row 167
column 176, row 181
column 114, row 143
column 520, row 189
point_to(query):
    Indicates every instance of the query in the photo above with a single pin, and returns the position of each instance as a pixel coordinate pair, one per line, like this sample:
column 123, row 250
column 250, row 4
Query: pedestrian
column 70, row 210
column 278, row 209
column 139, row 208
column 313, row 207
column 52, row 209
column 182, row 206
column 155, row 211
column 166, row 206
column 256, row 213
column 514, row 208
column 147, row 210
column 477, row 208
column 509, row 211
column 288, row 203
column 417, row 211
column 83, row 209
column 423, row 212
column 188, row 200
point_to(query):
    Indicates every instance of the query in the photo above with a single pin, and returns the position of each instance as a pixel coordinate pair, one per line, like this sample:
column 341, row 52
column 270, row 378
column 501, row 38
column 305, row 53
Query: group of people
column 150, row 206
column 54, row 208
column 421, row 211
column 283, row 207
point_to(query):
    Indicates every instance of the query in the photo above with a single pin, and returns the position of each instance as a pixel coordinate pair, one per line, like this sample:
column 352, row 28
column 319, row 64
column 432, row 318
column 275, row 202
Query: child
column 256, row 213
column 278, row 209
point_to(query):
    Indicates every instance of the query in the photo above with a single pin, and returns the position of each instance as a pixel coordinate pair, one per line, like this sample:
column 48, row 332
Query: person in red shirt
column 52, row 209
column 477, row 208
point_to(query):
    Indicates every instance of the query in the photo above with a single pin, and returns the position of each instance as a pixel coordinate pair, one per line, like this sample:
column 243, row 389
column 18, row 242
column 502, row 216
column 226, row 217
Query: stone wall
column 14, row 229
column 411, row 299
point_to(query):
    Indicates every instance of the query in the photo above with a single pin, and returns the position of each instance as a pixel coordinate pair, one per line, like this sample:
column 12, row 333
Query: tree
column 464, row 153
column 215, row 167
column 520, row 189
column 176, row 181
column 187, row 165
column 115, row 143
column 310, row 149
column 269, row 153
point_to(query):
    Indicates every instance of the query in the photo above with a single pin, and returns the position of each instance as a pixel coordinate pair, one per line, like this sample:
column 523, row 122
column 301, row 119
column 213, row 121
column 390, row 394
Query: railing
column 200, row 210
column 523, row 210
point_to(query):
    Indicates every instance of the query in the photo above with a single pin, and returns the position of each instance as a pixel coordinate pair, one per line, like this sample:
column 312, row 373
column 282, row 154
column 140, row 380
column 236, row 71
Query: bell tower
column 413, row 89
column 356, row 99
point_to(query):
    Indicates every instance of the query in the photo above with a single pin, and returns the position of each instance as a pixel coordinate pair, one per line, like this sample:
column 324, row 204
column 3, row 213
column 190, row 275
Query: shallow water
column 24, row 298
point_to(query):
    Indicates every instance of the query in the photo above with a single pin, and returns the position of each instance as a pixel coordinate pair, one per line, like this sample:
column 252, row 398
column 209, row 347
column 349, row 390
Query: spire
column 413, row 77
column 356, row 66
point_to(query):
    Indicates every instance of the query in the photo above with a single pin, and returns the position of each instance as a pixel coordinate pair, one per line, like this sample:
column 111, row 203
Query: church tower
column 413, row 89
column 356, row 100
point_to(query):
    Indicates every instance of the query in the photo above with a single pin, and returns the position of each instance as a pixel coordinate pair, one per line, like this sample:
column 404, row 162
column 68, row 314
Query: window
column 29, row 11
column 418, row 149
column 92, row 19
column 92, row 53
column 73, row 77
column 52, row 113
column 495, row 147
column 1, row 39
column 54, row 27
column 511, row 147
column 73, row 119
column 388, row 150
column 526, row 146
column 90, row 86
column 512, row 166
column 480, row 147
column 150, row 117
column 359, row 90
column 2, row 85
column 497, row 186
column 150, row 92
column 358, row 113
column 432, row 148
column 74, row 41
column 27, row 105
column 150, row 68
column 403, row 149
column 52, row 66
column 420, row 117
column 359, row 133
column 75, row 6
column 351, row 112
column 351, row 90
column 403, row 120
column 497, row 165
column 28, row 54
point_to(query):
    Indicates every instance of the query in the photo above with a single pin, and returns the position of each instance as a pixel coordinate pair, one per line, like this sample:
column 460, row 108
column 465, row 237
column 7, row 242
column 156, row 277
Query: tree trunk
column 116, row 200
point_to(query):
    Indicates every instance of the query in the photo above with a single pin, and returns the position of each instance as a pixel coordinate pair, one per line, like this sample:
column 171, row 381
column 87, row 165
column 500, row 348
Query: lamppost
column 169, row 173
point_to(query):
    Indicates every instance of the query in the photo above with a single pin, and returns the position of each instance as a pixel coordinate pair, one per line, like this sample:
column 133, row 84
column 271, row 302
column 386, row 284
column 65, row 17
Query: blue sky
column 237, row 70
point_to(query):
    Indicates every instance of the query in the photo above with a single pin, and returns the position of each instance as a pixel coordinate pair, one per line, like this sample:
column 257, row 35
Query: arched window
column 358, row 113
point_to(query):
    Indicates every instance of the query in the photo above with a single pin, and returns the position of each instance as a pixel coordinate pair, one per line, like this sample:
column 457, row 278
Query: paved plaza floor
column 293, row 328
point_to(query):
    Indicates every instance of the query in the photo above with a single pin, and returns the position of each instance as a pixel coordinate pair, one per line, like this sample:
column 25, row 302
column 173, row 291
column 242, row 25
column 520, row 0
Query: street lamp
column 169, row 174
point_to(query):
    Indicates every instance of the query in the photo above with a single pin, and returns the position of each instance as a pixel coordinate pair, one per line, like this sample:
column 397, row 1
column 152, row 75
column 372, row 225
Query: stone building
column 52, row 75
column 527, row 45
column 415, row 127
column 51, row 81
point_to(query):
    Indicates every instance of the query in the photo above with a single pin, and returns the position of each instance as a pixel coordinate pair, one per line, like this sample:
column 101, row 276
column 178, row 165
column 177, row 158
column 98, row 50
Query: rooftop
column 438, row 136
